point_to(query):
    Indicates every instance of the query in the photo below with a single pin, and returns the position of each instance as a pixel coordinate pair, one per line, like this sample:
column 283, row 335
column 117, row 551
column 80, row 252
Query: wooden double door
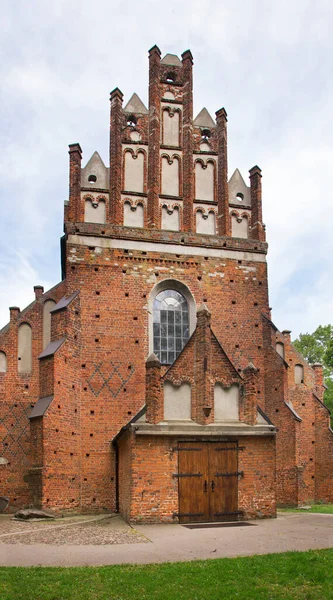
column 208, row 481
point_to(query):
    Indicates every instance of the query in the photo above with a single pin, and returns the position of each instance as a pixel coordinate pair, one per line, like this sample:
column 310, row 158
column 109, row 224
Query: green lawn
column 326, row 509
column 294, row 575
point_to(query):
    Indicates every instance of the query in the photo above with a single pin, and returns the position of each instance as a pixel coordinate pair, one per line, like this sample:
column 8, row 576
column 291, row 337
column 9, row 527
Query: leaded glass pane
column 170, row 325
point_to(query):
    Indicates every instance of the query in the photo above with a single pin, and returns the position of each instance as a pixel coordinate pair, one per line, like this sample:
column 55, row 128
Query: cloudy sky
column 268, row 63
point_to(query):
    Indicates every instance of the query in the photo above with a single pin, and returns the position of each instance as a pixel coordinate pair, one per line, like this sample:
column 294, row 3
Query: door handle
column 205, row 486
column 213, row 486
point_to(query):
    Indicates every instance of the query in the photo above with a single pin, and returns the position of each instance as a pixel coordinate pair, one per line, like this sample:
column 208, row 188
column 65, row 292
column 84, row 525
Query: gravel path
column 82, row 530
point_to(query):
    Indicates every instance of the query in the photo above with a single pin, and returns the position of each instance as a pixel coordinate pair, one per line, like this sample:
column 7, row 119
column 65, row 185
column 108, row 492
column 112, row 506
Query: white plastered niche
column 170, row 127
column 204, row 180
column 3, row 362
column 205, row 222
column 48, row 305
column 24, row 348
column 226, row 402
column 94, row 208
column 171, row 218
column 134, row 171
column 240, row 225
column 133, row 214
column 170, row 175
column 177, row 402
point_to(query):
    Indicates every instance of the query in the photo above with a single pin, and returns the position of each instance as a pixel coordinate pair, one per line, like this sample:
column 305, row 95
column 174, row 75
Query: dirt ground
column 80, row 530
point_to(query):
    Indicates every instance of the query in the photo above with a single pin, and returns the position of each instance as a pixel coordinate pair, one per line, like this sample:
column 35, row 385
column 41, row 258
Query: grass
column 326, row 509
column 292, row 575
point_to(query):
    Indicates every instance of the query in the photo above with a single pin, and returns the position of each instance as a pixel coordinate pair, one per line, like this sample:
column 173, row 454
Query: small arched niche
column 299, row 374
column 239, row 226
column 24, row 348
column 133, row 215
column 170, row 219
column 226, row 402
column 3, row 362
column 279, row 347
column 48, row 305
column 94, row 211
column 177, row 402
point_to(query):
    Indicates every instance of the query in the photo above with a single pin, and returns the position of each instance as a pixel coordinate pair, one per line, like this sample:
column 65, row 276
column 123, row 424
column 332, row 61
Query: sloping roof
column 171, row 59
column 41, row 407
column 135, row 105
column 203, row 119
column 64, row 302
column 263, row 416
column 52, row 347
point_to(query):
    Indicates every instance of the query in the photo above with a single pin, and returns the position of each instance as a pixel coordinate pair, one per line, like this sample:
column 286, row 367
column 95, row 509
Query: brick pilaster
column 223, row 218
column 319, row 380
column 154, row 138
column 188, row 180
column 249, row 401
column 203, row 366
column 75, row 158
column 154, row 391
column 116, row 119
column 257, row 227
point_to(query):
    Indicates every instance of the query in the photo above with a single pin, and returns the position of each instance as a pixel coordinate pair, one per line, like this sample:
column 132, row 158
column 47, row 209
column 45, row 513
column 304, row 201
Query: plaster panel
column 205, row 223
column 279, row 347
column 134, row 172
column 239, row 226
column 170, row 128
column 48, row 305
column 3, row 362
column 177, row 402
column 24, row 348
column 299, row 374
column 133, row 215
column 94, row 212
column 204, row 181
column 170, row 219
column 226, row 403
column 170, row 176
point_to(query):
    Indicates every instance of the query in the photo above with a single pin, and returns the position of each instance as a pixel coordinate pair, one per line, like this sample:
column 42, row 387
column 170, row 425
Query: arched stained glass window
column 171, row 325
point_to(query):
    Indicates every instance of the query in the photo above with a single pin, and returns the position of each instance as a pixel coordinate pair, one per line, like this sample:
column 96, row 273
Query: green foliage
column 323, row 509
column 291, row 575
column 317, row 347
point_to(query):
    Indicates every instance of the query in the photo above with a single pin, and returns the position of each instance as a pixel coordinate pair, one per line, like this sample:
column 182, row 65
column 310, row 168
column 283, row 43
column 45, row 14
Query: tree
column 317, row 347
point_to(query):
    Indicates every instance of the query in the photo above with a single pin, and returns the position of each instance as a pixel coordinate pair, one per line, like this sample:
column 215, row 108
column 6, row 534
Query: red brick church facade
column 151, row 379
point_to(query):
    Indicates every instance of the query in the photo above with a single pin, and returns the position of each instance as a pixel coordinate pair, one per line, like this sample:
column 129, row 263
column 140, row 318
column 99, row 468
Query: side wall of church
column 19, row 391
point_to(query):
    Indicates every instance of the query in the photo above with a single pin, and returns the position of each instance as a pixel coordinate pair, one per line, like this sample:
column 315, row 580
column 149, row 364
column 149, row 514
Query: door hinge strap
column 187, row 474
column 188, row 514
column 235, row 474
column 234, row 448
column 186, row 449
column 227, row 514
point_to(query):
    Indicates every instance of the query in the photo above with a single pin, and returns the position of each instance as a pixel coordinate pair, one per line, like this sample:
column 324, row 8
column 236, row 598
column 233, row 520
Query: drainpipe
column 117, row 475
